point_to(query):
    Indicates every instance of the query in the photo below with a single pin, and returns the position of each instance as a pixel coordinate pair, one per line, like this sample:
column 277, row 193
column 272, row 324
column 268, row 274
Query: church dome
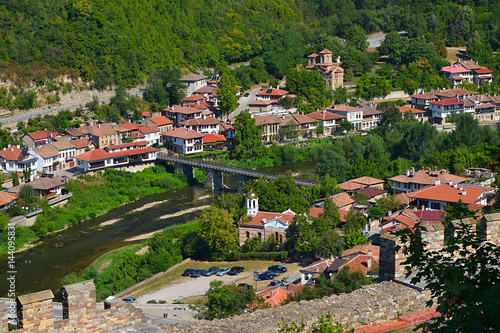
column 251, row 195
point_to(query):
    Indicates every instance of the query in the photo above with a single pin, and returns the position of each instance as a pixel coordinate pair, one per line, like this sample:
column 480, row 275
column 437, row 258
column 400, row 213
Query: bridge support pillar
column 241, row 179
column 215, row 180
column 186, row 170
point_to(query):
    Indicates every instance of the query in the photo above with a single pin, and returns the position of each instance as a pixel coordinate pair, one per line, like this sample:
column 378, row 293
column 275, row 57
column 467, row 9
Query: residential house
column 178, row 113
column 444, row 108
column 351, row 186
column 214, row 142
column 203, row 125
column 263, row 224
column 342, row 200
column 261, row 105
column 209, row 92
column 38, row 138
column 373, row 193
column 415, row 180
column 272, row 94
column 441, row 195
column 310, row 274
column 7, row 199
column 183, row 141
column 270, row 127
column 457, row 74
column 274, row 296
column 195, row 98
column 371, row 115
column 82, row 145
column 194, row 82
column 161, row 122
column 47, row 158
column 329, row 121
column 369, row 249
column 66, row 151
column 227, row 129
column 13, row 159
column 146, row 115
column 407, row 219
column 214, row 80
column 103, row 135
column 363, row 263
column 352, row 114
column 330, row 71
column 45, row 187
column 307, row 125
column 125, row 154
column 421, row 101
column 420, row 115
column 150, row 134
column 78, row 133
column 481, row 75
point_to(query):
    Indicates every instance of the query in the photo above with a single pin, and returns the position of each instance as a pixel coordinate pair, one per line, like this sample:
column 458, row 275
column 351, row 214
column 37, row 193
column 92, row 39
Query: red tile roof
column 81, row 143
column 455, row 68
column 371, row 191
column 183, row 110
column 182, row 133
column 212, row 138
column 274, row 296
column 302, row 119
column 266, row 120
column 447, row 193
column 259, row 102
column 42, row 135
column 148, row 129
column 46, row 151
column 194, row 98
column 447, row 101
column 11, row 153
column 343, row 108
column 483, row 71
column 101, row 154
column 273, row 92
column 128, row 144
column 324, row 115
column 146, row 114
column 130, row 126
column 6, row 198
column 201, row 121
column 364, row 249
column 317, row 211
column 258, row 219
column 342, row 200
column 405, row 109
column 428, row 177
column 161, row 120
column 426, row 95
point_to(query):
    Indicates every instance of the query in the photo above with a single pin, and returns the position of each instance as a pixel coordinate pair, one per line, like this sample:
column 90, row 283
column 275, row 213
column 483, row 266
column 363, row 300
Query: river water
column 73, row 249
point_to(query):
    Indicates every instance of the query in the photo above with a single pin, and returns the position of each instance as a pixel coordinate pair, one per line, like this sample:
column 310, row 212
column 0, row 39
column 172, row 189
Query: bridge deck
column 228, row 169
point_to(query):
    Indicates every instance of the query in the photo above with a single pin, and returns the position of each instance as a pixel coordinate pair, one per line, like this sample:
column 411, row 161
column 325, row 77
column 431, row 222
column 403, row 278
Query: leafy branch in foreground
column 463, row 277
column 325, row 325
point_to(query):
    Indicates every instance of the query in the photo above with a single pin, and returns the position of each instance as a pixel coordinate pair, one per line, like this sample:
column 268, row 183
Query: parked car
column 198, row 273
column 211, row 271
column 266, row 276
column 223, row 271
column 188, row 272
column 244, row 285
column 277, row 269
column 275, row 283
column 236, row 270
column 129, row 300
column 246, row 95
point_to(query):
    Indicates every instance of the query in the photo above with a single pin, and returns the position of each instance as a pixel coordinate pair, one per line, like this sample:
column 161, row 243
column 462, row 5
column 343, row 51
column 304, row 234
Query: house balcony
column 97, row 165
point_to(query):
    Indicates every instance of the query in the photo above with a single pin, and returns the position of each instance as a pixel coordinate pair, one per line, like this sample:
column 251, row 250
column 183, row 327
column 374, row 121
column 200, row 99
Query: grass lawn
column 102, row 263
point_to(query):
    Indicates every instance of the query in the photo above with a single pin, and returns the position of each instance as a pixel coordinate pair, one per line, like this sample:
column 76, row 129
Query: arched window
column 259, row 235
column 247, row 234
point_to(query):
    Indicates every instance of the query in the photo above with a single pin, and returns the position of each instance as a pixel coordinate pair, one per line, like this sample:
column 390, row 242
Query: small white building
column 194, row 82
column 352, row 114
column 47, row 158
column 13, row 159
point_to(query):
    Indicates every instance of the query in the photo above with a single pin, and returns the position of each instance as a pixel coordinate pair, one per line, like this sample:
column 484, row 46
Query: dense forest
column 122, row 41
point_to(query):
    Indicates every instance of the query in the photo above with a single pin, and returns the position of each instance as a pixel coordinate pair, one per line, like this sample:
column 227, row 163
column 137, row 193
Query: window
column 259, row 235
column 247, row 234
column 435, row 205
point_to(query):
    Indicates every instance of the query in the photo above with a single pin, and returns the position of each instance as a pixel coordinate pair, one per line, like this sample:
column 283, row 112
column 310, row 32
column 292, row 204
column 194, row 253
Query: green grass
column 103, row 262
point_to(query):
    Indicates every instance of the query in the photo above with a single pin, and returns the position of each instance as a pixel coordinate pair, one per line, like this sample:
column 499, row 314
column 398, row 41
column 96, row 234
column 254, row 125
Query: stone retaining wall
column 371, row 304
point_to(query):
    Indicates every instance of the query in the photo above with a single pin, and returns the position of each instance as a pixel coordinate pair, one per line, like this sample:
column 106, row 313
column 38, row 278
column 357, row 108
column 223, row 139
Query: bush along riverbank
column 94, row 195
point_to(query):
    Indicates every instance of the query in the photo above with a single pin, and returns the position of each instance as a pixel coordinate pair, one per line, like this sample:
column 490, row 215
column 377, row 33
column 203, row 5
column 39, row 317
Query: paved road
column 57, row 108
column 375, row 41
column 243, row 101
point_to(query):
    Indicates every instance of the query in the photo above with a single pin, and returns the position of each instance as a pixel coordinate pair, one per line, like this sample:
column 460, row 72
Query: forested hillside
column 121, row 41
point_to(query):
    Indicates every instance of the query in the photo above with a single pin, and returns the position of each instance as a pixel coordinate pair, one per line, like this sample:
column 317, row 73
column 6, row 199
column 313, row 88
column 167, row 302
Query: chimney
column 369, row 263
column 450, row 183
column 338, row 60
column 435, row 168
column 464, row 192
column 370, row 252
column 437, row 182
column 407, row 173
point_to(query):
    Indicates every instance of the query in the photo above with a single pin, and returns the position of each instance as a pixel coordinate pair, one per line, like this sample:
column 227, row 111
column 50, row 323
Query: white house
column 194, row 82
column 444, row 108
column 13, row 159
column 47, row 158
column 352, row 114
column 203, row 125
column 66, row 151
column 183, row 141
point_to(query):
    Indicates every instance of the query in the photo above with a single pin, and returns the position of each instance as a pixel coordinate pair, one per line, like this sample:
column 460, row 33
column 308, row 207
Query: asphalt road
column 244, row 101
column 56, row 108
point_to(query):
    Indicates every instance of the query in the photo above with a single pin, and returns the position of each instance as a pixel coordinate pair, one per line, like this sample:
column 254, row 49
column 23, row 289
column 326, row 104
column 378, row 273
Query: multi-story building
column 161, row 122
column 194, row 82
column 329, row 121
column 352, row 114
column 38, row 138
column 203, row 125
column 178, row 113
column 330, row 71
column 13, row 159
column 270, row 127
column 66, row 151
column 415, row 180
column 183, row 141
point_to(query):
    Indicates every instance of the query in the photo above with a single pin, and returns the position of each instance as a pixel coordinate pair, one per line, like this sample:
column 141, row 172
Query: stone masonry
column 35, row 312
column 490, row 228
column 369, row 305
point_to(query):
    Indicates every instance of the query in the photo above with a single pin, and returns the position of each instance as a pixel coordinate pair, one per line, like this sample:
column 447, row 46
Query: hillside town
column 320, row 231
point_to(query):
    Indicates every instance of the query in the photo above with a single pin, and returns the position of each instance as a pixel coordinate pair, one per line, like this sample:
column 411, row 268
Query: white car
column 223, row 270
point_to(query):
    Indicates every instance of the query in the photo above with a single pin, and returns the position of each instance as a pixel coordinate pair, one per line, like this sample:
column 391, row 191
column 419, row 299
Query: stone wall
column 490, row 228
column 35, row 312
column 369, row 305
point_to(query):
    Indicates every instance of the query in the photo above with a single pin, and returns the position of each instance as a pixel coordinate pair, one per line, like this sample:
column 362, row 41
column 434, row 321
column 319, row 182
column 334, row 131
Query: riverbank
column 93, row 196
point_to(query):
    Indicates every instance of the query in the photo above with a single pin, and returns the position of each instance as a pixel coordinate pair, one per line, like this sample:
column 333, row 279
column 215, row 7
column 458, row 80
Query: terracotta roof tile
column 212, row 138
column 364, row 249
column 183, row 133
column 261, row 217
column 266, row 120
column 201, row 121
column 42, row 135
column 62, row 143
column 275, row 295
column 101, row 154
column 447, row 193
column 428, row 177
column 81, row 143
column 46, row 151
column 324, row 115
column 6, row 198
column 161, row 120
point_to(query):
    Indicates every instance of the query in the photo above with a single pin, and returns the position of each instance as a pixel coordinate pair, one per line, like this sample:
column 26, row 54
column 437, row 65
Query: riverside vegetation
column 94, row 195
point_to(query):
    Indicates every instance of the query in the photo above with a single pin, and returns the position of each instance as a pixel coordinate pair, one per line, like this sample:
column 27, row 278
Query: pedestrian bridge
column 215, row 171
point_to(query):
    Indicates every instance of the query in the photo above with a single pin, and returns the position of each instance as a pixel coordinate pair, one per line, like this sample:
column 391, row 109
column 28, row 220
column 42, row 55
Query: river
column 73, row 249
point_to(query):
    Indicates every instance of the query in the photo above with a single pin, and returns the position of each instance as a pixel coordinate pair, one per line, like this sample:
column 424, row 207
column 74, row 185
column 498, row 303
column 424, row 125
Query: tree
column 225, row 301
column 165, row 87
column 15, row 179
column 325, row 325
column 333, row 164
column 301, row 238
column 248, row 137
column 463, row 278
column 331, row 214
column 346, row 125
column 218, row 229
column 467, row 130
column 330, row 244
column 355, row 222
column 356, row 36
column 226, row 93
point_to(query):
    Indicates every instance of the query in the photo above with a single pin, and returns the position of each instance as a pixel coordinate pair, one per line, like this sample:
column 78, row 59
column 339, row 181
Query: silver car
column 223, row 271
